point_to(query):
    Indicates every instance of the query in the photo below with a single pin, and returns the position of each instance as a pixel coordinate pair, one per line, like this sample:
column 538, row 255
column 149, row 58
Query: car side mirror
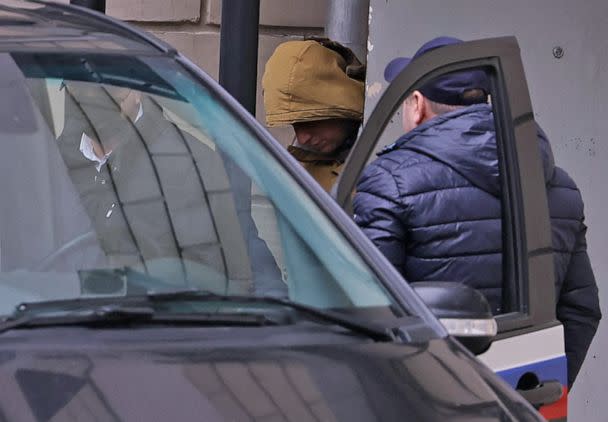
column 463, row 311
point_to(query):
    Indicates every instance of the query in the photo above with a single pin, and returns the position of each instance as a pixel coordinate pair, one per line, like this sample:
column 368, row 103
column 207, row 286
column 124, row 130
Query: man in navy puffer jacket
column 431, row 203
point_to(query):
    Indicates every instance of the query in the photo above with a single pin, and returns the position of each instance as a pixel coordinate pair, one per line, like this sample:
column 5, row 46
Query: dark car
column 163, row 258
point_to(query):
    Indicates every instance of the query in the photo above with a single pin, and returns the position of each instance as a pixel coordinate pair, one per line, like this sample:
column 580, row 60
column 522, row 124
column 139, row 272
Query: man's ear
column 420, row 108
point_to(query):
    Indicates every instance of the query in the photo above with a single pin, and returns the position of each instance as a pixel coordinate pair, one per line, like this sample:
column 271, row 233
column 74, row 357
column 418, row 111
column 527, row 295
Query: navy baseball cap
column 447, row 89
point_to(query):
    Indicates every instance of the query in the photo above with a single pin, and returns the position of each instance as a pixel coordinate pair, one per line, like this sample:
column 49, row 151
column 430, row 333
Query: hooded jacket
column 324, row 168
column 312, row 80
column 431, row 202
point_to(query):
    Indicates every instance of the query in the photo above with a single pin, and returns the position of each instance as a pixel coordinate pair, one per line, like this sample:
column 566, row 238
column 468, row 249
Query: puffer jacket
column 431, row 202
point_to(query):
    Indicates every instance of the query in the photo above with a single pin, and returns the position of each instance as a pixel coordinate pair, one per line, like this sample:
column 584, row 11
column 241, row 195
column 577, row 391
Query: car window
column 123, row 175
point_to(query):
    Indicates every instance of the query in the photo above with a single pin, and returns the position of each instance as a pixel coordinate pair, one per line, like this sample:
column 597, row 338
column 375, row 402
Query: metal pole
column 238, row 75
column 239, row 50
column 98, row 5
column 347, row 23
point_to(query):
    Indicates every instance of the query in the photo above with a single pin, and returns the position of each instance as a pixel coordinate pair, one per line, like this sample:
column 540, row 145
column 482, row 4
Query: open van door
column 528, row 352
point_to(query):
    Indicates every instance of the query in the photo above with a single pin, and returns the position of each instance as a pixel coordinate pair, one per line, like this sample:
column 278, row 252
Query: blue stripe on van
column 551, row 369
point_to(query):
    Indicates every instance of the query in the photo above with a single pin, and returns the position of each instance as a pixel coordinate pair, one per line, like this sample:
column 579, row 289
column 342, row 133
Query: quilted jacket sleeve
column 578, row 306
column 378, row 211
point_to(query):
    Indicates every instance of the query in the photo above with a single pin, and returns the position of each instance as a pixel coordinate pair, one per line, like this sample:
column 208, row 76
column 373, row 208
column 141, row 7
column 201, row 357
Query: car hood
column 234, row 374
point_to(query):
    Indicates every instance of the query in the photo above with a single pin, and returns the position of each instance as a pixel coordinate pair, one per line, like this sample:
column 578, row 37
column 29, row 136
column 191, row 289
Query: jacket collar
column 434, row 122
column 306, row 155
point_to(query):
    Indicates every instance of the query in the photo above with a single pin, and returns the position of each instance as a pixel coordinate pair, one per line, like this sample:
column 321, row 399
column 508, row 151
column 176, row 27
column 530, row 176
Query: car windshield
column 124, row 176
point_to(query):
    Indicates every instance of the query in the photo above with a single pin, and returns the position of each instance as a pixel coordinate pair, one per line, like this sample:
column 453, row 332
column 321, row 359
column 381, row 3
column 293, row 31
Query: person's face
column 324, row 136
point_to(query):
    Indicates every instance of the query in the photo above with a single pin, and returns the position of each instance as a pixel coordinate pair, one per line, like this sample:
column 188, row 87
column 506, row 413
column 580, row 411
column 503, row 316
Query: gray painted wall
column 569, row 99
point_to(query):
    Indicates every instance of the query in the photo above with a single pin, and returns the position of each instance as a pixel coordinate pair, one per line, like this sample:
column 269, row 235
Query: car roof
column 42, row 26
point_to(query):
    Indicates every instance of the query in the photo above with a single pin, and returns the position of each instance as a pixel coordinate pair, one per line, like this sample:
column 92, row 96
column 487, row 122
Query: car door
column 528, row 352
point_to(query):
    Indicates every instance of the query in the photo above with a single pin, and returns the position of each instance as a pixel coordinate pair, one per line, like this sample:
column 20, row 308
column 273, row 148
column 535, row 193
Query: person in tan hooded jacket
column 317, row 86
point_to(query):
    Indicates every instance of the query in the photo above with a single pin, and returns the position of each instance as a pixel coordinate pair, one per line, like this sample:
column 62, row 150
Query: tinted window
column 124, row 175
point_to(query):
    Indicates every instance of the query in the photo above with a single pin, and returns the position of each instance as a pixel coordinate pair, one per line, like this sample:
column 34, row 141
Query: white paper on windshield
column 140, row 112
column 88, row 150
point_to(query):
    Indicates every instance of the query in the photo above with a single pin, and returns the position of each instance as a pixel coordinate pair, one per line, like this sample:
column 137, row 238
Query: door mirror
column 464, row 312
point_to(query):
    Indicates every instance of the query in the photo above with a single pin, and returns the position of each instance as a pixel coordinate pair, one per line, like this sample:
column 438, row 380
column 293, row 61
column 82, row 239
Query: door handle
column 546, row 392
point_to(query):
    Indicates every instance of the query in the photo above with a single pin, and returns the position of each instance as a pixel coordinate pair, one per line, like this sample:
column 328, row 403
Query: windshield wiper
column 83, row 310
column 120, row 315
column 375, row 332
column 110, row 314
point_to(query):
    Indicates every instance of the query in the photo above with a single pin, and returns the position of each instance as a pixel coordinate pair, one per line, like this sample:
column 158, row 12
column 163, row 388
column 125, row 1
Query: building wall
column 193, row 27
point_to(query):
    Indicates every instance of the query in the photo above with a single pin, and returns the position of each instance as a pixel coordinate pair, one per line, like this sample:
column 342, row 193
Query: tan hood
column 305, row 81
